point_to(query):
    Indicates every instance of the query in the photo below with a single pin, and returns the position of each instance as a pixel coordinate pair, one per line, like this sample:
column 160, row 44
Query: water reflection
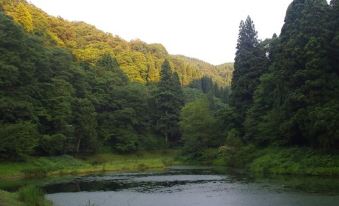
column 139, row 182
column 185, row 186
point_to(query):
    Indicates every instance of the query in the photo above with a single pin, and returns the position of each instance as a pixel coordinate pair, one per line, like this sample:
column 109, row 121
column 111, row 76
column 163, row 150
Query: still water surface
column 186, row 186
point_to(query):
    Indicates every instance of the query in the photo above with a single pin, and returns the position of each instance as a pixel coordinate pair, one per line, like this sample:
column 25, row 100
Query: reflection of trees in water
column 136, row 183
column 138, row 186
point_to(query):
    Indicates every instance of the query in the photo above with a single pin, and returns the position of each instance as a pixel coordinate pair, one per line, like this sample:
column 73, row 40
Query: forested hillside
column 285, row 93
column 80, row 102
column 67, row 87
column 140, row 62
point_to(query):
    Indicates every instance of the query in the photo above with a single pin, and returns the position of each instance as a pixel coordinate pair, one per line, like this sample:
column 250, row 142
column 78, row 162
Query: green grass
column 39, row 166
column 64, row 165
column 26, row 196
column 32, row 196
column 9, row 199
column 130, row 162
column 296, row 161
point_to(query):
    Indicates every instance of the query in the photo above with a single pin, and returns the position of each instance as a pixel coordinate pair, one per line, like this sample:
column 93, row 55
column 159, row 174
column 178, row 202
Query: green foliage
column 40, row 167
column 124, row 141
column 32, row 196
column 140, row 62
column 53, row 144
column 9, row 199
column 289, row 96
column 295, row 161
column 250, row 63
column 18, row 140
column 227, row 120
column 83, row 88
column 192, row 94
column 85, row 126
column 21, row 15
column 301, row 83
column 67, row 88
column 233, row 139
column 65, row 165
column 149, row 142
column 191, row 71
column 168, row 100
column 237, row 156
column 207, row 86
column 198, row 128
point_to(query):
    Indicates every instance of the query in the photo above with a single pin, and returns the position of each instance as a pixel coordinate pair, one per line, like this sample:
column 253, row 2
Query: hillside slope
column 141, row 62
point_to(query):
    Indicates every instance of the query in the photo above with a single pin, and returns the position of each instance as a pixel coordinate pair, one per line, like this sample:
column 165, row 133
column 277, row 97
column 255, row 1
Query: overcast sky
column 204, row 29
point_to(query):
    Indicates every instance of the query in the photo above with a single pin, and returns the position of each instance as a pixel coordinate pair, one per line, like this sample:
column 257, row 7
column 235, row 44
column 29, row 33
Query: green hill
column 141, row 62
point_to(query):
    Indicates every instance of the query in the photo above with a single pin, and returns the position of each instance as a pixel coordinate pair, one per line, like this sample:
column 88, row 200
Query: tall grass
column 9, row 199
column 32, row 196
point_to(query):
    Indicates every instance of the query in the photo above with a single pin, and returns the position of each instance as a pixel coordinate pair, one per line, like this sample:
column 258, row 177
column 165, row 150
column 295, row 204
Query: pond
column 189, row 186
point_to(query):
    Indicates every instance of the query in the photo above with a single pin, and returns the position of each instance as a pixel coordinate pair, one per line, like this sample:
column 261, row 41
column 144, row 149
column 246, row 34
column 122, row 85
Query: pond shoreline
column 275, row 161
column 68, row 165
column 44, row 167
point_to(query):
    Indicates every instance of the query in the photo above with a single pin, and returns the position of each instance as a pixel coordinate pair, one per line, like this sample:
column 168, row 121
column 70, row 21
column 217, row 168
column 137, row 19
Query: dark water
column 185, row 186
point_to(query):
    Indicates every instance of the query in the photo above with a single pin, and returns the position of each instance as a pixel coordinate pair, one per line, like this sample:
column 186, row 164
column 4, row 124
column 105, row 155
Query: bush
column 238, row 157
column 198, row 128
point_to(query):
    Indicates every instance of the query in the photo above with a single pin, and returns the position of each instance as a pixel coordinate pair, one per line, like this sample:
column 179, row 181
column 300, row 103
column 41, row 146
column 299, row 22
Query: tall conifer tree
column 250, row 63
column 169, row 101
column 302, row 86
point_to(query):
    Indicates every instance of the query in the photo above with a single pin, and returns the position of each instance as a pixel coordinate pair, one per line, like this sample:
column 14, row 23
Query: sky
column 203, row 29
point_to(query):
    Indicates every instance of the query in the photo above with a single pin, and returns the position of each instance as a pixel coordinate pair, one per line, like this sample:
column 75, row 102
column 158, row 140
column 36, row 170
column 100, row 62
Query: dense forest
column 106, row 119
column 69, row 88
column 284, row 90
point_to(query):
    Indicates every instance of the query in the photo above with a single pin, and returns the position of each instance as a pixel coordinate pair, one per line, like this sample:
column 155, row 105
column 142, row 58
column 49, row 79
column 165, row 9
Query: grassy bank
column 295, row 161
column 8, row 199
column 63, row 165
column 26, row 196
column 280, row 161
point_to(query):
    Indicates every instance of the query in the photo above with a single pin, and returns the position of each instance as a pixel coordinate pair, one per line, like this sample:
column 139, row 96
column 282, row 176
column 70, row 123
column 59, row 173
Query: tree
column 169, row 101
column 334, row 26
column 198, row 127
column 85, row 125
column 300, row 83
column 22, row 15
column 250, row 63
